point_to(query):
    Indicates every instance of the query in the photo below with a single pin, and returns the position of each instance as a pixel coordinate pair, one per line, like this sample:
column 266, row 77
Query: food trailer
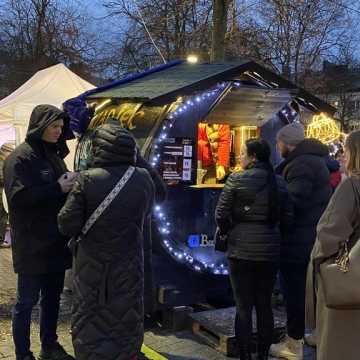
column 190, row 122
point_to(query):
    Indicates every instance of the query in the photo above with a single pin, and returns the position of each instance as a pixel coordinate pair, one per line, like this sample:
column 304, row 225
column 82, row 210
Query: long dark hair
column 260, row 149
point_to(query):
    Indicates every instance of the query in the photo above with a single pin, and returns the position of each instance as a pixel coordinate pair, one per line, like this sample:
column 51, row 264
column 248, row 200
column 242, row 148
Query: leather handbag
column 340, row 276
column 74, row 242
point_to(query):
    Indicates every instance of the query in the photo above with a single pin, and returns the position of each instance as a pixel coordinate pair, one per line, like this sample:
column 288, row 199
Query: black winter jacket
column 34, row 198
column 308, row 182
column 242, row 212
column 107, row 320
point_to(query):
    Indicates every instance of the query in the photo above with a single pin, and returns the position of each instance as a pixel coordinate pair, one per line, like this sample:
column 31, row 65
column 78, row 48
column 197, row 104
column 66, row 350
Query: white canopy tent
column 53, row 86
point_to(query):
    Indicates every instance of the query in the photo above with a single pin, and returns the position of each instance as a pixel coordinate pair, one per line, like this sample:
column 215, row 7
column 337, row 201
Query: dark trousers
column 253, row 283
column 293, row 282
column 29, row 288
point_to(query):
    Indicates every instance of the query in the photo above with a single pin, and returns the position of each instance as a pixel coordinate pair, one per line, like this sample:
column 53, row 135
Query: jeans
column 29, row 287
column 253, row 283
column 293, row 281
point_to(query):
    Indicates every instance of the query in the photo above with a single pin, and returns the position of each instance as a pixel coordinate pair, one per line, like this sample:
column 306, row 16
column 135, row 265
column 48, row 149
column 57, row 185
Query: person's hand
column 67, row 181
column 72, row 175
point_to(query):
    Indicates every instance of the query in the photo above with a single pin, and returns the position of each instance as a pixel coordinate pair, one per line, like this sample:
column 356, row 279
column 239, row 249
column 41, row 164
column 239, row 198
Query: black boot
column 55, row 352
column 263, row 352
column 245, row 353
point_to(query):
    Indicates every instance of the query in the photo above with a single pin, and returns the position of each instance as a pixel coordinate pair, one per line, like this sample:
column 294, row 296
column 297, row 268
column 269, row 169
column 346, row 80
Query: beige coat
column 338, row 331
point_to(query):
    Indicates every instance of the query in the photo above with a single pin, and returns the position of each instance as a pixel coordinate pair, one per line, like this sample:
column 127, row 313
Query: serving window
column 218, row 151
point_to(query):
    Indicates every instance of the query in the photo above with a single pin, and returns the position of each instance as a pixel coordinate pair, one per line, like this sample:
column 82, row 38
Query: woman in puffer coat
column 107, row 319
column 253, row 206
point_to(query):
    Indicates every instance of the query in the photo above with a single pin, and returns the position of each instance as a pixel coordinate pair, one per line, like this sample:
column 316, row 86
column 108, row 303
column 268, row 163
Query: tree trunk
column 220, row 10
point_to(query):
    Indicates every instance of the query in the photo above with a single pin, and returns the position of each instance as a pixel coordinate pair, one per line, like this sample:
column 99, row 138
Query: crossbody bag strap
column 108, row 200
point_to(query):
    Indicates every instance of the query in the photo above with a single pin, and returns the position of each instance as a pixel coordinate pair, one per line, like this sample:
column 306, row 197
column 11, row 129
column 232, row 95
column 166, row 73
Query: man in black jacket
column 36, row 184
column 308, row 182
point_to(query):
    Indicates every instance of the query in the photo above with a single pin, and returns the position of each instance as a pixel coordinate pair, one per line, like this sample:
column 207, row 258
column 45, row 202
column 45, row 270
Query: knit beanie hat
column 292, row 134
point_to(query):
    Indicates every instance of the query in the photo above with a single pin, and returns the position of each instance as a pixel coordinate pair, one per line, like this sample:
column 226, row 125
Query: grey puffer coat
column 107, row 321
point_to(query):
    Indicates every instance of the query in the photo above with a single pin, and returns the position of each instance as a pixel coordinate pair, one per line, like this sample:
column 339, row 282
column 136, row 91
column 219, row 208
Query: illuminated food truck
column 190, row 122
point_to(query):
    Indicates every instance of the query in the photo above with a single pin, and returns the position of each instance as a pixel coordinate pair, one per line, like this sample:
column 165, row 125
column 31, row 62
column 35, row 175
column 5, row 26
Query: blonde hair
column 352, row 145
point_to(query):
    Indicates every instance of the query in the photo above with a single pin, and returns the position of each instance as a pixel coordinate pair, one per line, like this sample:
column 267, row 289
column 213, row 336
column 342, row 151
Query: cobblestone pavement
column 173, row 346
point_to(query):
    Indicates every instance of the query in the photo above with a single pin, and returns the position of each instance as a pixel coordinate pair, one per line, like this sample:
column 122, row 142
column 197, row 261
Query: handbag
column 340, row 275
column 74, row 242
column 221, row 241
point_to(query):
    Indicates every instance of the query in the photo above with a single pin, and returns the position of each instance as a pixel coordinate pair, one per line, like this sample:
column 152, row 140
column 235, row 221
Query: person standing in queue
column 337, row 330
column 108, row 304
column 36, row 185
column 252, row 209
column 308, row 182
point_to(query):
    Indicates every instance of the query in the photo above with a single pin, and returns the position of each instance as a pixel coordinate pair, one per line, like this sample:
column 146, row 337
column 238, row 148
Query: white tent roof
column 53, row 86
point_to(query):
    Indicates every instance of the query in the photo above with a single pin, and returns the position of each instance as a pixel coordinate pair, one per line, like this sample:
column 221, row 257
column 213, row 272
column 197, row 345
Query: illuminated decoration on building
column 248, row 132
column 180, row 252
column 323, row 128
column 289, row 115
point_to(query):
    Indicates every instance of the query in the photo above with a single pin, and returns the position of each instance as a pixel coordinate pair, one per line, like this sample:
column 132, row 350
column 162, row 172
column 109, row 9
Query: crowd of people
column 275, row 221
column 282, row 220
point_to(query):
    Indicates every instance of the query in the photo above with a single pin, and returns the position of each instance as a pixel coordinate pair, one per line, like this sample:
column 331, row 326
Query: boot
column 289, row 349
column 245, row 352
column 55, row 352
column 263, row 352
column 27, row 357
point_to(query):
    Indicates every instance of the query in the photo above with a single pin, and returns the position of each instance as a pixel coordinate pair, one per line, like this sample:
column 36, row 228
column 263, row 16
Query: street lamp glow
column 192, row 59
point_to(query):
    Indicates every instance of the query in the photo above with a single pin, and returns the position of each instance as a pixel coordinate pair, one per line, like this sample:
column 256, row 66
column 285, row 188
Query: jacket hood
column 41, row 117
column 310, row 147
column 113, row 145
column 306, row 147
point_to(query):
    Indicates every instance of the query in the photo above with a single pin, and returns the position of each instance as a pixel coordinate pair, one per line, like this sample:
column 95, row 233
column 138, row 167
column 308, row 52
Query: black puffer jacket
column 242, row 212
column 34, row 197
column 107, row 322
column 308, row 182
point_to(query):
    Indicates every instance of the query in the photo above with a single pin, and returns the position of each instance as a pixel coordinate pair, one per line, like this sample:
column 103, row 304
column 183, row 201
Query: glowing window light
column 248, row 132
column 323, row 128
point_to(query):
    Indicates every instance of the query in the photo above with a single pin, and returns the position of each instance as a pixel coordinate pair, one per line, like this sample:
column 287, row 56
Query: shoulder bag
column 340, row 275
column 75, row 241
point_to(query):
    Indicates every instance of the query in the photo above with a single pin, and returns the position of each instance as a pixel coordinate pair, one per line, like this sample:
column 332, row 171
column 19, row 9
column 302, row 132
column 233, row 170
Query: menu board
column 177, row 160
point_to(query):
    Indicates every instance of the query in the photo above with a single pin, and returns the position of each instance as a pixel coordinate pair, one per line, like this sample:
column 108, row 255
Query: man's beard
column 285, row 153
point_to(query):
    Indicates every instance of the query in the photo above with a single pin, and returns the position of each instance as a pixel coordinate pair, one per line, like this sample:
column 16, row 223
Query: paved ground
column 174, row 346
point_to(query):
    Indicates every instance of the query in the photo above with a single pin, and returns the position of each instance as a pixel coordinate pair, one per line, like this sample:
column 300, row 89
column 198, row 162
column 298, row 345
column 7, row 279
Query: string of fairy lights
column 180, row 252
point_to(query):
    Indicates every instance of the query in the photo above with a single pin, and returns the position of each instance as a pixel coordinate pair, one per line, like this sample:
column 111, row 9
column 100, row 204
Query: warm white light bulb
column 192, row 59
